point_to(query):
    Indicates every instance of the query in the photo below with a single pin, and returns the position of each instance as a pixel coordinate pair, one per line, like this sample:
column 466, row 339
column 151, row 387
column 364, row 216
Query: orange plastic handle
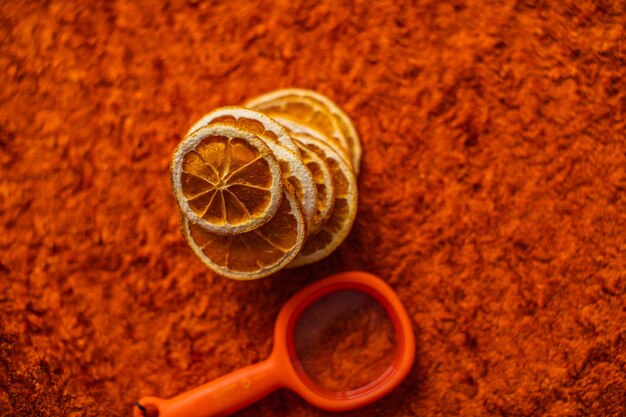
column 222, row 396
column 245, row 386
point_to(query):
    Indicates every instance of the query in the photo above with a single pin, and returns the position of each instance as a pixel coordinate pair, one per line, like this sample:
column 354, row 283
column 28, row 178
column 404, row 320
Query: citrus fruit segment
column 319, row 245
column 313, row 109
column 279, row 142
column 254, row 254
column 225, row 179
column 323, row 180
column 250, row 120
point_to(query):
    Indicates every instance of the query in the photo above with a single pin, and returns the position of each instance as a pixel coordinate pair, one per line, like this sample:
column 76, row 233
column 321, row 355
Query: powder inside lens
column 344, row 341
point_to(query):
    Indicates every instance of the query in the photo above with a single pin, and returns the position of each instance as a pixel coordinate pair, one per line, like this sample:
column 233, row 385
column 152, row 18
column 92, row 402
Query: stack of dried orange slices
column 269, row 185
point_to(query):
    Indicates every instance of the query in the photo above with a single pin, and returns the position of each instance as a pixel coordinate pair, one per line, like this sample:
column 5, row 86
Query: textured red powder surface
column 492, row 197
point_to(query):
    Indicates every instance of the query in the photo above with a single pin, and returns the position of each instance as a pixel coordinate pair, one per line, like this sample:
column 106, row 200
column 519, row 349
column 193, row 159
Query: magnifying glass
column 340, row 343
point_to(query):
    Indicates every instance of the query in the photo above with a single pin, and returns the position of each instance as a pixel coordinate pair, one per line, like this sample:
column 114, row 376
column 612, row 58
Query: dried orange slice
column 254, row 254
column 225, row 179
column 346, row 126
column 292, row 127
column 279, row 142
column 319, row 245
column 317, row 111
column 250, row 120
column 323, row 182
column 303, row 111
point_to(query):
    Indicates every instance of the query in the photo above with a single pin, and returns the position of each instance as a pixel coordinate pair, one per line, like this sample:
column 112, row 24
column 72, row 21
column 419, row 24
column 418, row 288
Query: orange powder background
column 492, row 197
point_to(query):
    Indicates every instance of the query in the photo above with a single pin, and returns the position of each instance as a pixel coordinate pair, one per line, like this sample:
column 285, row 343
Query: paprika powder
column 491, row 197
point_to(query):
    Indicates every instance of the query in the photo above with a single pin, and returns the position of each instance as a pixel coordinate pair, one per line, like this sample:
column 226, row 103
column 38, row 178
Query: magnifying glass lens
column 344, row 341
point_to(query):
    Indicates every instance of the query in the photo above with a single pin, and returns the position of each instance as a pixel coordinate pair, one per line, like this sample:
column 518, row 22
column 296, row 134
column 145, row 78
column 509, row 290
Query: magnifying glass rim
column 379, row 387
